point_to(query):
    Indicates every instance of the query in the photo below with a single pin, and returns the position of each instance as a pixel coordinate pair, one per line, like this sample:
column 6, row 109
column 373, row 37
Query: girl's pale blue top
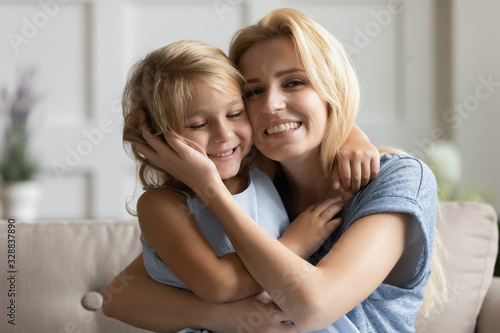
column 260, row 200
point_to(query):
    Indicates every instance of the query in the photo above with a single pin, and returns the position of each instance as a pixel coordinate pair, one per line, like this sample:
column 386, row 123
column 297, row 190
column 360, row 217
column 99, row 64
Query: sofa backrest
column 470, row 236
column 61, row 268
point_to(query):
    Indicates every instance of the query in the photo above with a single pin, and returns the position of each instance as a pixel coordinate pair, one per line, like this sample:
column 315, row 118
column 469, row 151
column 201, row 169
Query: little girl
column 192, row 90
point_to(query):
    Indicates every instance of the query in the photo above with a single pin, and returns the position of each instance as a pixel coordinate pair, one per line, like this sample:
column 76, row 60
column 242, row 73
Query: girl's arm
column 170, row 229
column 357, row 162
column 313, row 297
column 134, row 298
column 168, row 226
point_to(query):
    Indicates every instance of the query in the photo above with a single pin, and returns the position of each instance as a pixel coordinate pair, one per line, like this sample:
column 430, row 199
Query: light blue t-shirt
column 404, row 185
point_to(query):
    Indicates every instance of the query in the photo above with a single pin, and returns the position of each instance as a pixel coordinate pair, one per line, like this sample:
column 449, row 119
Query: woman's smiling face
column 288, row 116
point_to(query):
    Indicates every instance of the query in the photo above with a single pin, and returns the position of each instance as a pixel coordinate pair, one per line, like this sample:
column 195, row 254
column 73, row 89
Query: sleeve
column 403, row 185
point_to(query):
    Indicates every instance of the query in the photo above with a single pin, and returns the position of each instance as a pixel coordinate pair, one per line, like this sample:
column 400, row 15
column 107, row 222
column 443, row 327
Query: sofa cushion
column 62, row 269
column 470, row 236
column 488, row 320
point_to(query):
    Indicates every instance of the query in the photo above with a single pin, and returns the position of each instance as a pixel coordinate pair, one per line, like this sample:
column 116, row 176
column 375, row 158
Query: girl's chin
column 226, row 175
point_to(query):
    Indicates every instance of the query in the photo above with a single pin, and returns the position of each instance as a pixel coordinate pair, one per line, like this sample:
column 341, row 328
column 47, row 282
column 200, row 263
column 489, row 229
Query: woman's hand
column 356, row 164
column 257, row 314
column 312, row 227
column 188, row 164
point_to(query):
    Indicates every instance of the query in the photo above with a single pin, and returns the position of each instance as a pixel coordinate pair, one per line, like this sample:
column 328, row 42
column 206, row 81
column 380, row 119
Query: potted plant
column 20, row 192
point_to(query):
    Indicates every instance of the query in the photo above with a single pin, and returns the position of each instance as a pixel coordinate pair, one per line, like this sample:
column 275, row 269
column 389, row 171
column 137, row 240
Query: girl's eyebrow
column 200, row 111
column 278, row 74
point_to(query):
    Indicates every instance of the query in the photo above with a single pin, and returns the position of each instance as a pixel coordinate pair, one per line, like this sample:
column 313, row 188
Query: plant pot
column 20, row 200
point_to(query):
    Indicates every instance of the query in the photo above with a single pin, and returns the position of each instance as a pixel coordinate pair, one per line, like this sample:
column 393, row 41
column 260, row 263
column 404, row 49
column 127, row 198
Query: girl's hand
column 312, row 227
column 356, row 164
column 257, row 314
column 188, row 164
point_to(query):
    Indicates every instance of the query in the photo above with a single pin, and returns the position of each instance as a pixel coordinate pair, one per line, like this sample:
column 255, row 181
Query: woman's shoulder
column 405, row 173
column 397, row 161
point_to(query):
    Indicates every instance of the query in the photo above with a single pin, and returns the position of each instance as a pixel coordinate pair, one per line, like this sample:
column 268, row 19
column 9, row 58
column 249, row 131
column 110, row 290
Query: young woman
column 192, row 90
column 377, row 267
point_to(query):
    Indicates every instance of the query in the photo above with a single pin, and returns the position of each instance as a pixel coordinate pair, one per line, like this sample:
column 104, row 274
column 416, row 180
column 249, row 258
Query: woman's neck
column 306, row 183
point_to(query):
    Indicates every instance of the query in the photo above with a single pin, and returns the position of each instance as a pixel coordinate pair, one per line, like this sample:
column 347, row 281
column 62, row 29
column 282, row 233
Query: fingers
column 354, row 172
column 156, row 143
column 174, row 143
column 147, row 152
column 328, row 208
column 182, row 147
column 344, row 167
column 336, row 175
column 374, row 167
column 356, row 177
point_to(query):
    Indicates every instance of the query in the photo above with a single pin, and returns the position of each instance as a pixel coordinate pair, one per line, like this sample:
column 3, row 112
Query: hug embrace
column 266, row 209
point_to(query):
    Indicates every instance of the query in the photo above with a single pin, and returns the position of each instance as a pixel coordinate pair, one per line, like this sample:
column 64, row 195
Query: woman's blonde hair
column 332, row 74
column 327, row 66
column 164, row 85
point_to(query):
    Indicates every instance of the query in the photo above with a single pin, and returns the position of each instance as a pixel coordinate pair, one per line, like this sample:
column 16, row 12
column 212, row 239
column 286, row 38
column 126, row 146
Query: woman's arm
column 134, row 298
column 314, row 297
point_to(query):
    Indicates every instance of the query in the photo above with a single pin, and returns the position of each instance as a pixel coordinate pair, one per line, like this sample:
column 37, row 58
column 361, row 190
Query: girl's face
column 288, row 116
column 218, row 123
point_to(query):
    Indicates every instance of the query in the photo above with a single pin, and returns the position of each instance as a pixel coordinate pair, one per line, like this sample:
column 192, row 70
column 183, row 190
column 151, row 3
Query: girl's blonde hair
column 327, row 66
column 333, row 76
column 164, row 85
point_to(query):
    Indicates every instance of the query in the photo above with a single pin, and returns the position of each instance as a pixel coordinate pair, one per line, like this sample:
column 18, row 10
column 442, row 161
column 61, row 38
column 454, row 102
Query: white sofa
column 62, row 267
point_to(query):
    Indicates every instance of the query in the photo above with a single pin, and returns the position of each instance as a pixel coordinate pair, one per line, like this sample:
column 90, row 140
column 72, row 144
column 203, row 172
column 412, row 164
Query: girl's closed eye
column 197, row 126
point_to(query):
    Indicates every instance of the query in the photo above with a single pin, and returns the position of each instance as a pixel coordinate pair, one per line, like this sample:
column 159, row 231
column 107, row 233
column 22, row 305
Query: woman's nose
column 274, row 101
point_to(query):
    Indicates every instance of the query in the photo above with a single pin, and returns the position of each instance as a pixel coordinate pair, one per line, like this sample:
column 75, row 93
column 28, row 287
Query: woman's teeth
column 282, row 128
column 224, row 154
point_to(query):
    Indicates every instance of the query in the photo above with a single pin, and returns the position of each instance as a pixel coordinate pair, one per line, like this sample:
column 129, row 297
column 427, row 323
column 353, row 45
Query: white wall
column 476, row 104
column 83, row 50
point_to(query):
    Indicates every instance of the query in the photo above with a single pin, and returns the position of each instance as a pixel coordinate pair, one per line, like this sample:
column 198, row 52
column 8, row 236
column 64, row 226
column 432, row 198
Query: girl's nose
column 222, row 132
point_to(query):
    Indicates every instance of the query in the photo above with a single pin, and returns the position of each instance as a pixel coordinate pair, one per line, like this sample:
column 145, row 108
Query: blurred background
column 429, row 70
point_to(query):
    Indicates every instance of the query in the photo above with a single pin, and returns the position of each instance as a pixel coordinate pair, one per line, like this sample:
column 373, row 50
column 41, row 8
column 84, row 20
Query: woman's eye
column 252, row 93
column 294, row 83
